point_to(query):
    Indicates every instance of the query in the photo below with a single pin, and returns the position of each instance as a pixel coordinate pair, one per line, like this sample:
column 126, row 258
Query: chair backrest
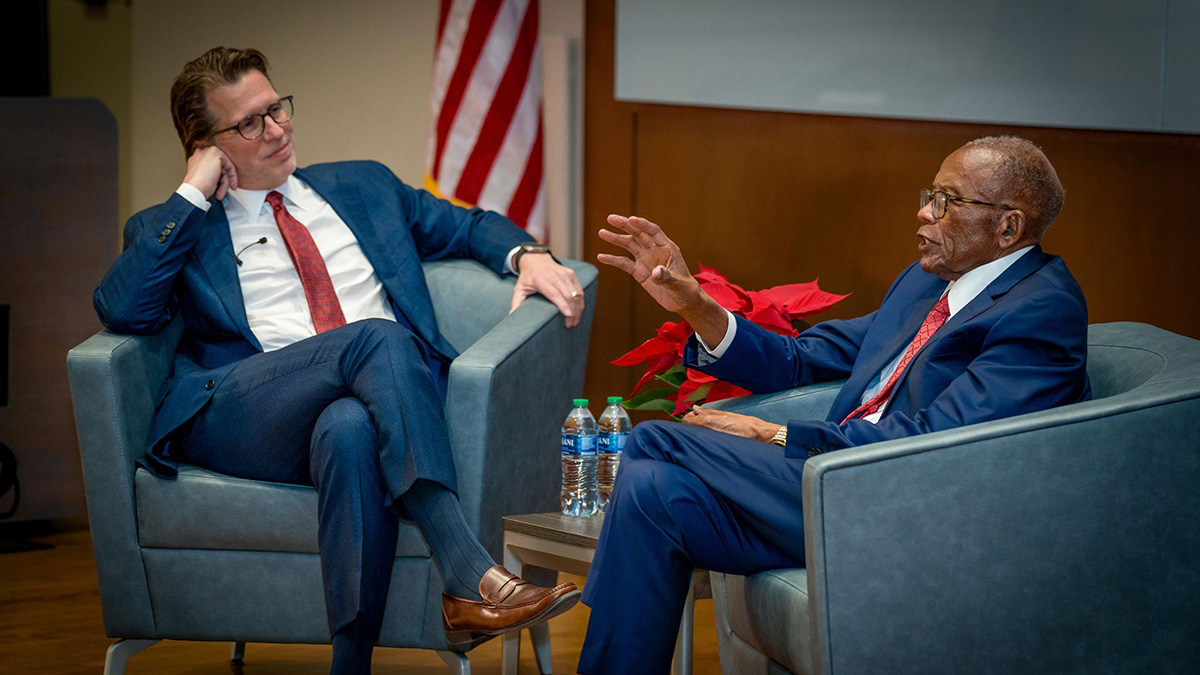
column 1123, row 357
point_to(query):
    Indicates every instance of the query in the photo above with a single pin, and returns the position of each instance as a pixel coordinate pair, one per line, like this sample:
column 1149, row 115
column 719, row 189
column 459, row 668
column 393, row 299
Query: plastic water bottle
column 614, row 430
column 579, row 461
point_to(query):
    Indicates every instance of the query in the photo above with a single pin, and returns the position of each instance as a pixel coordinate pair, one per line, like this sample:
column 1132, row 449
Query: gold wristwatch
column 780, row 437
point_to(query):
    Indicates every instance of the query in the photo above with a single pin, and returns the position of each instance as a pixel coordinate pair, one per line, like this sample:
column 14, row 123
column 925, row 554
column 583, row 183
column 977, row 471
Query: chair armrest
column 114, row 382
column 803, row 403
column 1060, row 541
column 507, row 397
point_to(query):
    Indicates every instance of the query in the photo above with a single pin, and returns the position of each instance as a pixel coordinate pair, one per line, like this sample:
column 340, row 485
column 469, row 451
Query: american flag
column 485, row 133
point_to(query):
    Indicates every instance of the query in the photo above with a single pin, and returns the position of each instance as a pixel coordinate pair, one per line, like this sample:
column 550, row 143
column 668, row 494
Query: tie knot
column 275, row 199
column 942, row 308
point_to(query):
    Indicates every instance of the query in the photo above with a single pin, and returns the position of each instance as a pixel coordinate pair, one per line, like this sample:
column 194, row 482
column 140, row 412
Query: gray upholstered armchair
column 209, row 557
column 1065, row 541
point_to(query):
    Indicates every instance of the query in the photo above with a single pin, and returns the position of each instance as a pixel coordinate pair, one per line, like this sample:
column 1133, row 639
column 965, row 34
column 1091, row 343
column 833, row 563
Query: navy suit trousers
column 685, row 497
column 354, row 412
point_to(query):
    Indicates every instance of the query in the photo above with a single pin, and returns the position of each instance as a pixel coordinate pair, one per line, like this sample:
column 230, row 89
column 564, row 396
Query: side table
column 567, row 544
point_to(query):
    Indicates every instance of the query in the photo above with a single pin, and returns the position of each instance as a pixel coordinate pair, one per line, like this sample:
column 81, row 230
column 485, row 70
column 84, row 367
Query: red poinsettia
column 677, row 387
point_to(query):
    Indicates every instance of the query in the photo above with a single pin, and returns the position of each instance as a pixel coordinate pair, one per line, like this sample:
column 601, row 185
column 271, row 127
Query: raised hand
column 211, row 172
column 658, row 265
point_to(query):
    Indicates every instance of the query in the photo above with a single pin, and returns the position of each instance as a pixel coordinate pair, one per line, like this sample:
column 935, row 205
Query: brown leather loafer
column 509, row 603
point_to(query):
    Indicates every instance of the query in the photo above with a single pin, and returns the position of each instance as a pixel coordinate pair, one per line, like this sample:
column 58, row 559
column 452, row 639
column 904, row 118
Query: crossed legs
column 685, row 498
column 354, row 412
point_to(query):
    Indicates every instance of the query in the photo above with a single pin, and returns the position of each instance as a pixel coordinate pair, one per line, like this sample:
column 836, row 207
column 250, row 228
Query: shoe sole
column 559, row 606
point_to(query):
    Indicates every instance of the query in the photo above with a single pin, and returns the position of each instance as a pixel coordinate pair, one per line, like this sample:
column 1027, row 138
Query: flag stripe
column 483, row 15
column 502, row 180
column 531, row 183
column 464, row 132
column 443, row 13
column 500, row 114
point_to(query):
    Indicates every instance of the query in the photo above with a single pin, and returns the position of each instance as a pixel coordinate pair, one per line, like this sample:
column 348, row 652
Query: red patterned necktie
column 323, row 303
column 937, row 317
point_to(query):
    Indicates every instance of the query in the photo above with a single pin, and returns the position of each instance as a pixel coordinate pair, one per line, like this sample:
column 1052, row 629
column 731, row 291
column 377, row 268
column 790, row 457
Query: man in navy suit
column 310, row 352
column 984, row 326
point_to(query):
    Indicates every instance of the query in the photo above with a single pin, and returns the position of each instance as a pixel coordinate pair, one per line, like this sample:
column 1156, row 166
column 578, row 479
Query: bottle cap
column 614, row 400
column 581, row 403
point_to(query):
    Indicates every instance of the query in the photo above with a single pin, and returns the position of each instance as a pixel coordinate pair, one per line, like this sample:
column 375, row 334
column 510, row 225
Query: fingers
column 618, row 261
column 229, row 170
column 557, row 284
column 642, row 232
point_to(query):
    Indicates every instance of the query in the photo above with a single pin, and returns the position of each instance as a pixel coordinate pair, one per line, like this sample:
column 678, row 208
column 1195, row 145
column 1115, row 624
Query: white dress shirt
column 961, row 292
column 276, row 307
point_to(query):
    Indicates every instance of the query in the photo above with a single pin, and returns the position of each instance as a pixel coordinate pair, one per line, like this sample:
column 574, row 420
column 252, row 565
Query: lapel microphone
column 262, row 240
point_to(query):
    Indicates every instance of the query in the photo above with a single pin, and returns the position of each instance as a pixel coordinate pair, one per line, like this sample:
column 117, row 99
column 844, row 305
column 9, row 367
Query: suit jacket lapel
column 348, row 203
column 215, row 252
column 907, row 318
column 1026, row 265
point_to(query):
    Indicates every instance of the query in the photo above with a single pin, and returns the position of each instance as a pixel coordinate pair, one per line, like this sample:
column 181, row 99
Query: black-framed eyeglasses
column 942, row 199
column 255, row 125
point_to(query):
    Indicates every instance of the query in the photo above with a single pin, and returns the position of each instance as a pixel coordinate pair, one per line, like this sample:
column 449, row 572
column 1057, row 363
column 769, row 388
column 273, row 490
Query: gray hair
column 1024, row 174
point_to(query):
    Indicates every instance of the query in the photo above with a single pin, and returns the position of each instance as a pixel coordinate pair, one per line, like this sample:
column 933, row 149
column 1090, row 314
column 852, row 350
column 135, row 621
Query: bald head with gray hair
column 1024, row 178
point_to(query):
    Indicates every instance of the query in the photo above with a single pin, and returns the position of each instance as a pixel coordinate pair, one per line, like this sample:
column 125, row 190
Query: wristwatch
column 527, row 248
column 780, row 437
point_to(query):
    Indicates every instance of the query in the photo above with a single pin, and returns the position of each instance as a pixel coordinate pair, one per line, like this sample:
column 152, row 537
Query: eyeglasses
column 255, row 125
column 941, row 199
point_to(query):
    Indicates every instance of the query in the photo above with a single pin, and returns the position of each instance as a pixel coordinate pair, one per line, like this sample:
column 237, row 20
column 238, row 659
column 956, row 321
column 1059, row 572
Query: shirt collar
column 964, row 289
column 250, row 202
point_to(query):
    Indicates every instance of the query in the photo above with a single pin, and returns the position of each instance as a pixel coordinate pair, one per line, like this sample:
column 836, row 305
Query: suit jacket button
column 209, row 385
column 171, row 225
column 162, row 238
column 812, row 452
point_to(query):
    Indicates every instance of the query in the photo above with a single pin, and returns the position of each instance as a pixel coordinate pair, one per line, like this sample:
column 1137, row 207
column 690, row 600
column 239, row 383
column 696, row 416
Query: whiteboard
column 1105, row 64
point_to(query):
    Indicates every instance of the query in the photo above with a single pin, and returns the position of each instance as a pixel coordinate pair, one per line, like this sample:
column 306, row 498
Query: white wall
column 360, row 71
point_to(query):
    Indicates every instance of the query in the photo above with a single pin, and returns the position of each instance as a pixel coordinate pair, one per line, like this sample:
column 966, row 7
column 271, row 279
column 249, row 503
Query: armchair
column 211, row 557
column 1064, row 541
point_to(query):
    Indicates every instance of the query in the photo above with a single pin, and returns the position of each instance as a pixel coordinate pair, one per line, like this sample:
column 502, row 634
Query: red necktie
column 937, row 317
column 323, row 303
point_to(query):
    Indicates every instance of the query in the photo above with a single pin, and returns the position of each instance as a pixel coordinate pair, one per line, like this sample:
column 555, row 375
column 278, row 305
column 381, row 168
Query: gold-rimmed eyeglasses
column 942, row 199
column 255, row 125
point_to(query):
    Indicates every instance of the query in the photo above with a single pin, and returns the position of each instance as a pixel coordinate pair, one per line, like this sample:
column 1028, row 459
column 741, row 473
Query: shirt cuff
column 717, row 352
column 508, row 260
column 194, row 195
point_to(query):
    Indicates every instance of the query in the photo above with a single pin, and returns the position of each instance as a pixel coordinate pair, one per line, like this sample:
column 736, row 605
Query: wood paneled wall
column 771, row 198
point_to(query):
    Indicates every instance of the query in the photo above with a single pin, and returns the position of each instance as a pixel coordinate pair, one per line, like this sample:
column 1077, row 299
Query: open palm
column 657, row 263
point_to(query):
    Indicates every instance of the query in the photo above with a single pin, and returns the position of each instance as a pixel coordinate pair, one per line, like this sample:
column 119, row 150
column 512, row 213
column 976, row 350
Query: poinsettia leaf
column 699, row 377
column 655, row 346
column 766, row 313
column 674, row 376
column 727, row 294
column 802, row 299
column 723, row 390
column 710, row 275
column 651, row 399
column 675, row 332
column 727, row 297
column 699, row 393
column 656, row 366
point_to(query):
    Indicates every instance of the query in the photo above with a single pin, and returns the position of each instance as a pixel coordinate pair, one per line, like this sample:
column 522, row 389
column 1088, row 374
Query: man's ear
column 1011, row 228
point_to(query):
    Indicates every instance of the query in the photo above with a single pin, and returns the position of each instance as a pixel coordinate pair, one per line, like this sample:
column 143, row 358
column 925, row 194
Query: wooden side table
column 567, row 544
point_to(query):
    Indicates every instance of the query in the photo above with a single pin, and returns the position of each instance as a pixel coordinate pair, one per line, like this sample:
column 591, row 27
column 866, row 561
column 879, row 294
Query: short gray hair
column 1023, row 172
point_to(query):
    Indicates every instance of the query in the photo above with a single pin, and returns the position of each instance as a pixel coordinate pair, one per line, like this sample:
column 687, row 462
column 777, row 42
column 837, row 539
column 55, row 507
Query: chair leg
column 237, row 653
column 119, row 653
column 459, row 663
column 539, row 635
